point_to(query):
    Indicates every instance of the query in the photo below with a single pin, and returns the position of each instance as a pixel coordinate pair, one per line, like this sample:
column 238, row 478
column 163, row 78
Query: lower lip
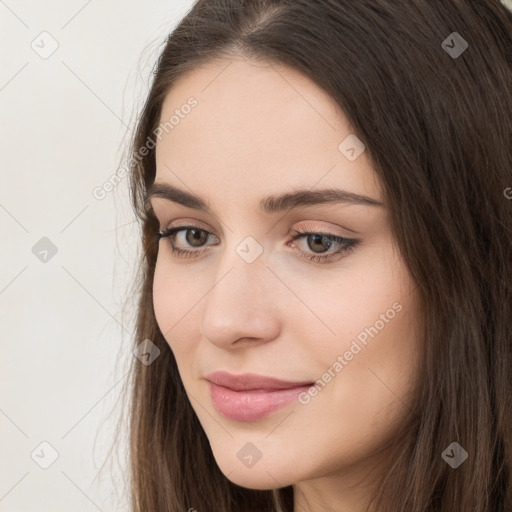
column 252, row 405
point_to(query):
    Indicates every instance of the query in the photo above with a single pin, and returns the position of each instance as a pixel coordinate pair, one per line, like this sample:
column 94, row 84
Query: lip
column 249, row 397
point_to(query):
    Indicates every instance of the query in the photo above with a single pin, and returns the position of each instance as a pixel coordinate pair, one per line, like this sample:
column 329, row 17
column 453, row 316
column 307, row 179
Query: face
column 311, row 292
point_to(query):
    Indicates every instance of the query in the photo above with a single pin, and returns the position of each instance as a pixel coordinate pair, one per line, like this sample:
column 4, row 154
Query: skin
column 258, row 130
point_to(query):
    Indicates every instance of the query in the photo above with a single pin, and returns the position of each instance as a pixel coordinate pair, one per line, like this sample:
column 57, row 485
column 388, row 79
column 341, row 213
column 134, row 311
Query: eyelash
column 348, row 244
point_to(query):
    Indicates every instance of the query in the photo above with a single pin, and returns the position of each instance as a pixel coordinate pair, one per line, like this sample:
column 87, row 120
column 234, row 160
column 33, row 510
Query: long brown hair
column 438, row 129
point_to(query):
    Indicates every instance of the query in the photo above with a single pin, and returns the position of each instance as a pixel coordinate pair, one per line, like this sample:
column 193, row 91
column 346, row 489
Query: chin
column 258, row 480
column 264, row 474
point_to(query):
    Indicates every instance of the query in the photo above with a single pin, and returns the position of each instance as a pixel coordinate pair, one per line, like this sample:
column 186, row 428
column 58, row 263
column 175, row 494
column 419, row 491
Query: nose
column 241, row 307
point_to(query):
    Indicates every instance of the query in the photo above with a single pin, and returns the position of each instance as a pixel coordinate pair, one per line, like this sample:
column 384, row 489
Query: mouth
column 250, row 397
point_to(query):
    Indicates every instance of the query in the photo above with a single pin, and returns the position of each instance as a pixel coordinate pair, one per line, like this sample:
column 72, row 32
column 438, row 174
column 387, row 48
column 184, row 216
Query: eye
column 316, row 242
column 193, row 235
column 319, row 241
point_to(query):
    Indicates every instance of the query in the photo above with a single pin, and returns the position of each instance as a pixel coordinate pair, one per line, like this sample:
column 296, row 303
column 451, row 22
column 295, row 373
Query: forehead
column 257, row 127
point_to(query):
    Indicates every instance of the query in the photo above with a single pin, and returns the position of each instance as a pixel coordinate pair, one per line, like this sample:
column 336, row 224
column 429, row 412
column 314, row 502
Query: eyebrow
column 270, row 204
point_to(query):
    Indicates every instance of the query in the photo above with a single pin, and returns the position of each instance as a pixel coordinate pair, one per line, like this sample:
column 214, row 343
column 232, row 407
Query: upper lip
column 247, row 381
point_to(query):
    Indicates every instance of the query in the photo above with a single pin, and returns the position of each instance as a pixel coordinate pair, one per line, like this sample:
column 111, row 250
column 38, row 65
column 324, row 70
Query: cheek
column 174, row 292
column 162, row 299
column 173, row 300
column 177, row 295
column 374, row 352
column 368, row 296
column 364, row 401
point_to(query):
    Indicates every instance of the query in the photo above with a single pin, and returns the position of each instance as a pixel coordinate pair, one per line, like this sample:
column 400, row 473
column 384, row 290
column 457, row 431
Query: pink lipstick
column 250, row 397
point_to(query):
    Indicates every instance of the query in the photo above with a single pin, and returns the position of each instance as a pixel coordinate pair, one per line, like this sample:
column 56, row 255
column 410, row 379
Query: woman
column 325, row 282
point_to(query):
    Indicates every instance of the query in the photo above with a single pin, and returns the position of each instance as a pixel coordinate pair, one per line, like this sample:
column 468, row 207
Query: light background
column 64, row 120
